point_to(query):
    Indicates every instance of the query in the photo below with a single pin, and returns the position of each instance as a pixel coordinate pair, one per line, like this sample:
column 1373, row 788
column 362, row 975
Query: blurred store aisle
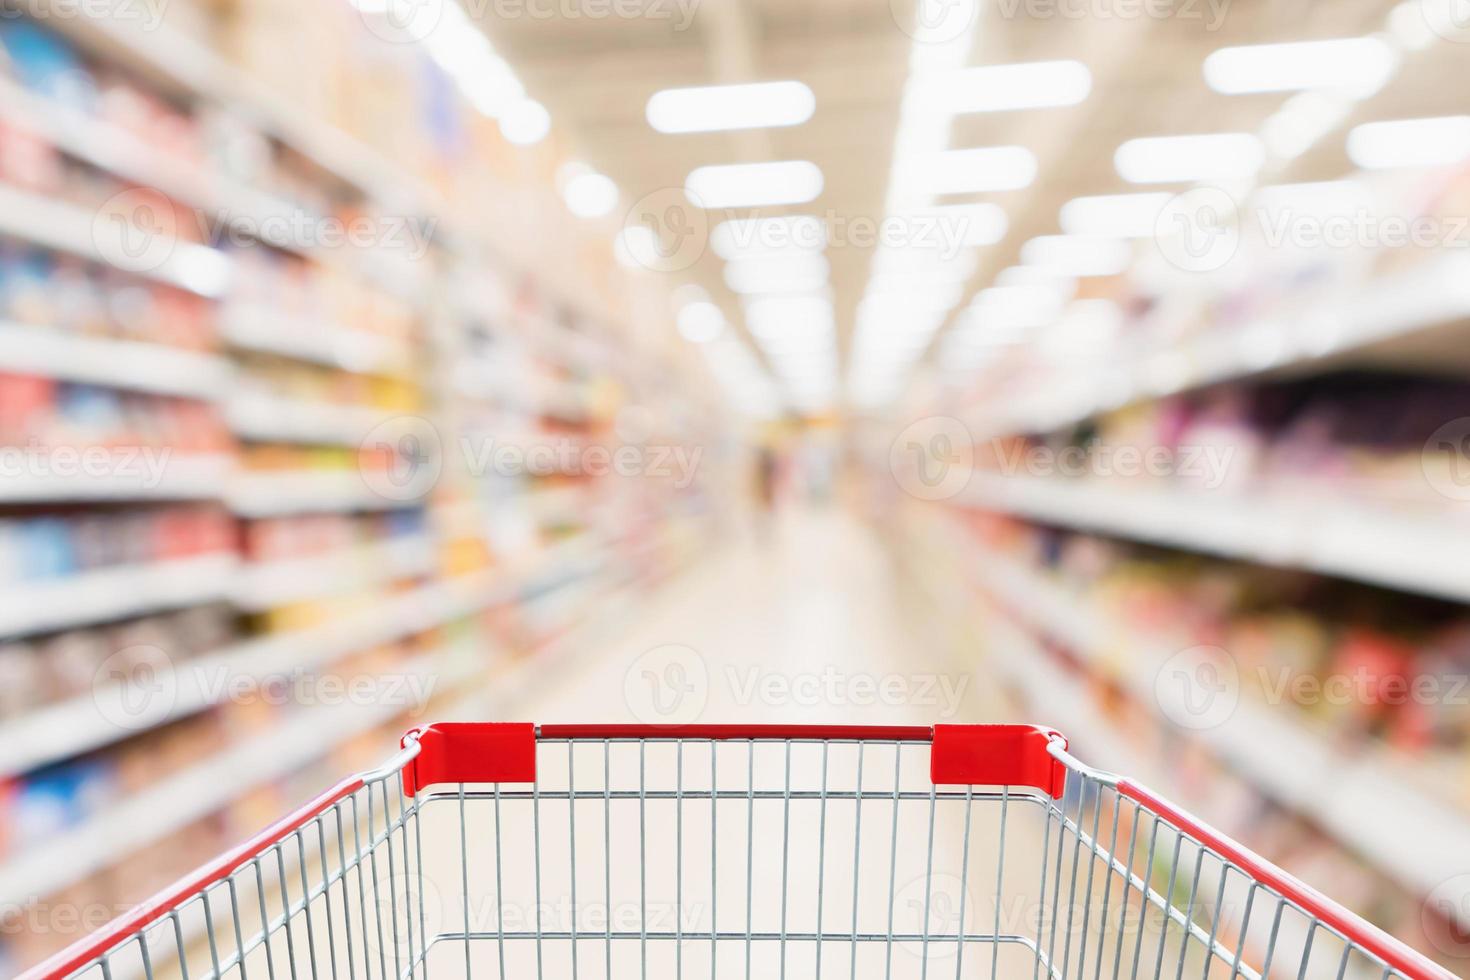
column 809, row 624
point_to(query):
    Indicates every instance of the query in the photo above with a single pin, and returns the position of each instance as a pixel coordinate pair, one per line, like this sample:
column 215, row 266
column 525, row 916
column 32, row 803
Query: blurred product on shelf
column 39, row 413
column 37, row 672
column 1361, row 435
column 62, row 546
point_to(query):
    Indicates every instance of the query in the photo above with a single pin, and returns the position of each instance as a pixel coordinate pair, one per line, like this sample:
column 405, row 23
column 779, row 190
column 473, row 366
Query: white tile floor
column 806, row 626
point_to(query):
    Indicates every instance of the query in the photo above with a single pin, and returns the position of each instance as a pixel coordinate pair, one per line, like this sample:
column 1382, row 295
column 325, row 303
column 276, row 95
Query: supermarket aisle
column 812, row 625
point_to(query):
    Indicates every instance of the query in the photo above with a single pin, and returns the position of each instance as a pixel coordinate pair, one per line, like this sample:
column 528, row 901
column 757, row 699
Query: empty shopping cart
column 604, row 851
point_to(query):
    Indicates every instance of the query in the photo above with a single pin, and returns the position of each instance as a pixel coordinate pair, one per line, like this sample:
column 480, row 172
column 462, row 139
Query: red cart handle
column 962, row 755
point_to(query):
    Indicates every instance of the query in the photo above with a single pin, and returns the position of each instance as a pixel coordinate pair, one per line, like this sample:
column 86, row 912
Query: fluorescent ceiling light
column 1116, row 215
column 525, row 122
column 1078, row 255
column 701, row 321
column 747, row 236
column 637, row 247
column 749, row 185
column 1035, row 275
column 1316, row 198
column 973, row 171
column 800, row 272
column 920, row 261
column 941, row 298
column 590, row 195
column 969, row 225
column 1305, row 118
column 1410, row 142
column 1171, row 159
column 998, row 88
column 1360, row 65
column 1013, row 306
column 685, row 294
column 712, row 108
column 779, row 314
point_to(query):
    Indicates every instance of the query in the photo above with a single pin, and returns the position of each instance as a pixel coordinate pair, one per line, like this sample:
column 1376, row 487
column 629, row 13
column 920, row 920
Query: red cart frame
column 801, row 848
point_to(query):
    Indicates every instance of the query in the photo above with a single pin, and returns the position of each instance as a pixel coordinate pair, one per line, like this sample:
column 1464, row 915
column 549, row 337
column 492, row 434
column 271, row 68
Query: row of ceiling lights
column 776, row 264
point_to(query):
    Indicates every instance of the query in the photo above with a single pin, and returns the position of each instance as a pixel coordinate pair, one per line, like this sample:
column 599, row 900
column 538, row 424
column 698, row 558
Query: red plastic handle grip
column 961, row 755
column 1402, row 958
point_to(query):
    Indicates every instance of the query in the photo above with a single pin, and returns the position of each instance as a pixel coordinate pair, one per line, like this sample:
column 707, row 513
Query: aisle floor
column 805, row 623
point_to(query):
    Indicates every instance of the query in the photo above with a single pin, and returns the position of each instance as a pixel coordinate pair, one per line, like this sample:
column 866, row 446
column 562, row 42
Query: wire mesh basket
column 702, row 852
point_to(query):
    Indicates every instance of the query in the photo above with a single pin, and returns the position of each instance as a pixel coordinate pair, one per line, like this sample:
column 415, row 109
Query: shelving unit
column 116, row 593
column 1371, row 801
column 1406, row 550
column 1307, row 337
column 438, row 572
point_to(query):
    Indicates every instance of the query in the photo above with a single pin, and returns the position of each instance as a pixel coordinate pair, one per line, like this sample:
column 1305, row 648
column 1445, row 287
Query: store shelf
column 304, row 338
column 1307, row 337
column 270, row 494
column 85, row 723
column 1368, row 800
column 65, row 227
column 114, row 593
column 270, row 419
column 1413, row 552
column 270, row 584
column 181, row 799
column 177, row 477
column 154, row 368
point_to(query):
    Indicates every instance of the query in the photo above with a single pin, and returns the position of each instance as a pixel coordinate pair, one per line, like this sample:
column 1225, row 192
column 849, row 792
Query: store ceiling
column 596, row 75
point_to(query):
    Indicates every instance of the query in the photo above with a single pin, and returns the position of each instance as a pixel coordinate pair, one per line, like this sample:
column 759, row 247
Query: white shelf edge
column 1434, row 294
column 65, row 227
column 32, row 739
column 130, row 364
column 115, row 593
column 264, row 585
column 1360, row 541
column 1363, row 802
column 269, row 494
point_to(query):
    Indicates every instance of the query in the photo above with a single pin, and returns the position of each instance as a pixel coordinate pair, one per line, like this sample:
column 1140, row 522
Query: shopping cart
column 606, row 851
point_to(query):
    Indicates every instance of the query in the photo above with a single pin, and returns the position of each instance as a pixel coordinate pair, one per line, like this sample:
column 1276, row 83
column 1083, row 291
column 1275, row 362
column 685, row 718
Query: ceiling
column 596, row 74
